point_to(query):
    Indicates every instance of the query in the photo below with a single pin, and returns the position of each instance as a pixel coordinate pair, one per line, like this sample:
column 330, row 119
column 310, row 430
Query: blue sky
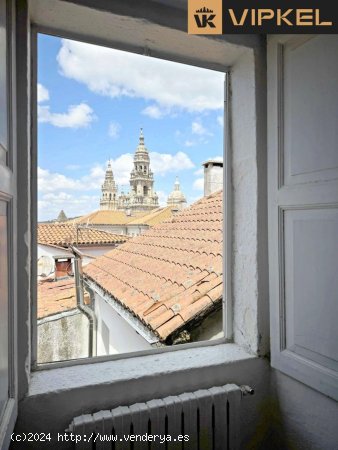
column 92, row 102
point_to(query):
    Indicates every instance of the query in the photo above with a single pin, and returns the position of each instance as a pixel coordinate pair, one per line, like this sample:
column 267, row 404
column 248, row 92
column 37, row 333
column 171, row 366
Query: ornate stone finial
column 141, row 140
column 177, row 184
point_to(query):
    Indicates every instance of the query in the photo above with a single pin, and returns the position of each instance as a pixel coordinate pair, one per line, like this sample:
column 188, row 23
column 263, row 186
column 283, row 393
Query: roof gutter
column 89, row 313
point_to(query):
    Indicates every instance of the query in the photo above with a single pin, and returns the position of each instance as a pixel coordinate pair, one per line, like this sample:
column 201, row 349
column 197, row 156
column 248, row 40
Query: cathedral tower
column 176, row 198
column 142, row 196
column 109, row 199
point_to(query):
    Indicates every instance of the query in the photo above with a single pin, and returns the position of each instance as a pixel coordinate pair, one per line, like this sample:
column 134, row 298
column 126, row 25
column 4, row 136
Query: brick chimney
column 213, row 176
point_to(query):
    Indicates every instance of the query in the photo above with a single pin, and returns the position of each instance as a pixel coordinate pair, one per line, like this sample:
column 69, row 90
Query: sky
column 92, row 102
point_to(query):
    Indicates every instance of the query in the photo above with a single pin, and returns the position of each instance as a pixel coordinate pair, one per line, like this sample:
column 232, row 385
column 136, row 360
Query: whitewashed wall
column 122, row 337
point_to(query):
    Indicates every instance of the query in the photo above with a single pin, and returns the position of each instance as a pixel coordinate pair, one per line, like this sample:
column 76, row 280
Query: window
column 242, row 57
column 221, row 59
column 164, row 284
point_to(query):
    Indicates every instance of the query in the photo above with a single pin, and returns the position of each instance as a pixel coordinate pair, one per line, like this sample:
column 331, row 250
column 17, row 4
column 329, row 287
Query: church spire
column 141, row 148
column 141, row 138
column 109, row 190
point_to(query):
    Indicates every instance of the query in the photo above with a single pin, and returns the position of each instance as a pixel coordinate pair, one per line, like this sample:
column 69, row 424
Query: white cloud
column 161, row 163
column 154, row 112
column 49, row 205
column 58, row 191
column 217, row 158
column 189, row 143
column 199, row 129
column 162, row 198
column 199, row 171
column 114, row 73
column 43, row 94
column 53, row 182
column 122, row 167
column 73, row 167
column 198, row 184
column 77, row 116
column 220, row 120
column 114, row 130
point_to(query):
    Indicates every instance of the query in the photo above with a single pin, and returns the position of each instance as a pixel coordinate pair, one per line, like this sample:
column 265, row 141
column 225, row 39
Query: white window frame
column 206, row 52
column 226, row 306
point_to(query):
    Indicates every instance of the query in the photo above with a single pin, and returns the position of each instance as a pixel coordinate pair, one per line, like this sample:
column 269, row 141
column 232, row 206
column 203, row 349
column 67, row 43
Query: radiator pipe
column 89, row 313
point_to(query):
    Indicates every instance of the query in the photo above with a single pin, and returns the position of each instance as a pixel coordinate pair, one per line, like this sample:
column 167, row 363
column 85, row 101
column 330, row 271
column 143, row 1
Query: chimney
column 213, row 176
column 63, row 267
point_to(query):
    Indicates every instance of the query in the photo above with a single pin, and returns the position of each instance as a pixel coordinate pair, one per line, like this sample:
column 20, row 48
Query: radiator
column 210, row 418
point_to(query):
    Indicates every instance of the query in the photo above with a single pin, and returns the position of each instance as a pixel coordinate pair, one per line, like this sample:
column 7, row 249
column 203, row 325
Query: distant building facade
column 141, row 196
column 176, row 198
column 109, row 195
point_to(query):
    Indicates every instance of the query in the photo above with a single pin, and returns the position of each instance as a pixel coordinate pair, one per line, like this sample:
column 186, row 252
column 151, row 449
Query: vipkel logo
column 209, row 17
column 204, row 18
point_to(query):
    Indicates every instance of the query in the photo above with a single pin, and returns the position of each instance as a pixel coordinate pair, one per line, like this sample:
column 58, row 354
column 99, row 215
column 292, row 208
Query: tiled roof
column 170, row 275
column 103, row 217
column 154, row 217
column 65, row 234
column 55, row 297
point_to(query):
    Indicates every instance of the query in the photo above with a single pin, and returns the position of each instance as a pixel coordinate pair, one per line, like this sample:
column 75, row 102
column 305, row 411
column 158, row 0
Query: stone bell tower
column 109, row 198
column 142, row 196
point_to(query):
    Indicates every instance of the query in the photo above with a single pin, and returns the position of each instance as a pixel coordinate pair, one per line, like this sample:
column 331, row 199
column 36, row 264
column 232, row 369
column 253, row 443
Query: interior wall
column 307, row 419
column 249, row 205
column 290, row 415
column 53, row 412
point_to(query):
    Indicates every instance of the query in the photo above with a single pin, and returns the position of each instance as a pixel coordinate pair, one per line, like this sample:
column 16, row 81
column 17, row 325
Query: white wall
column 130, row 230
column 305, row 418
column 122, row 336
column 62, row 337
column 93, row 250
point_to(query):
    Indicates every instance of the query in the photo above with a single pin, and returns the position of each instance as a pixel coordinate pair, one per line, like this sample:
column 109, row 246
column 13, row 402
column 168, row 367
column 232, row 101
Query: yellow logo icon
column 205, row 17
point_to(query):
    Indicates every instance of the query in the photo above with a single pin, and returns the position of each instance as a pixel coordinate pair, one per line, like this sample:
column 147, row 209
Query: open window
column 129, row 249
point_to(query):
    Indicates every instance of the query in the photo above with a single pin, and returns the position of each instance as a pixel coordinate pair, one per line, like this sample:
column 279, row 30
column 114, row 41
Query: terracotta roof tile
column 196, row 308
column 154, row 217
column 65, row 234
column 170, row 274
column 169, row 327
column 55, row 297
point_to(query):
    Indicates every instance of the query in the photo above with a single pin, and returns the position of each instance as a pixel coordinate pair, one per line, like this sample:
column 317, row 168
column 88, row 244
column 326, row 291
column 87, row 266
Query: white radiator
column 204, row 419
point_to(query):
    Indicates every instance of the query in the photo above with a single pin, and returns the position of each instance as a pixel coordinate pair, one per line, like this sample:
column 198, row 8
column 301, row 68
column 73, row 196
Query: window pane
column 130, row 179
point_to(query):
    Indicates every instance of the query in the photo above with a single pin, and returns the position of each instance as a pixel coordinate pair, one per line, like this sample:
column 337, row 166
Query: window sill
column 98, row 374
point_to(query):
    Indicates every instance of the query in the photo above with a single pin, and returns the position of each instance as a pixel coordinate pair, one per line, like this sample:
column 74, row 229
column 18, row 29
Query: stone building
column 141, row 196
column 109, row 200
column 176, row 199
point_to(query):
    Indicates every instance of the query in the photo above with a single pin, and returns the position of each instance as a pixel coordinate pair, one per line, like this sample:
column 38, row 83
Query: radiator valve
column 247, row 390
